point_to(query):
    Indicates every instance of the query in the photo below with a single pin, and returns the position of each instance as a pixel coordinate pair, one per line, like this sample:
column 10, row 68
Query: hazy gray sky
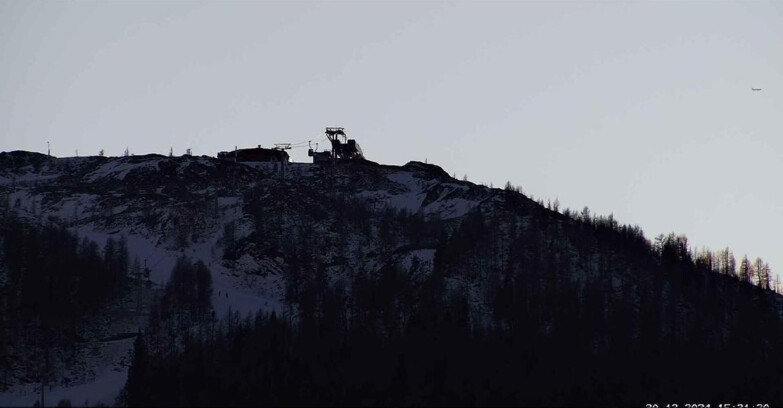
column 639, row 109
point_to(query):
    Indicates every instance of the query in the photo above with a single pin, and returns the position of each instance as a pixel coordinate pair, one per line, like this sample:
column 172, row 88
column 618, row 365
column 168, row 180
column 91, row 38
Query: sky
column 639, row 109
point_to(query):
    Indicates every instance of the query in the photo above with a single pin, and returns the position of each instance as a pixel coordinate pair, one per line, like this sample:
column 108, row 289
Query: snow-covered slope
column 166, row 207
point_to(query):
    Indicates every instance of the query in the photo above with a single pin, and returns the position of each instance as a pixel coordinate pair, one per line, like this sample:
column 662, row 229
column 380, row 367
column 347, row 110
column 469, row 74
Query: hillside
column 407, row 285
column 165, row 207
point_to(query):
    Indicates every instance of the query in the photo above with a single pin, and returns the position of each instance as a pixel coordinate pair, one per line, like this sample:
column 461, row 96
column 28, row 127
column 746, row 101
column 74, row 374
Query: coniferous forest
column 52, row 284
column 524, row 306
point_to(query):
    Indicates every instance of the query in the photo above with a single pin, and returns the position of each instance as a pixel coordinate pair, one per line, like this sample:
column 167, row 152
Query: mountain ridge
column 290, row 239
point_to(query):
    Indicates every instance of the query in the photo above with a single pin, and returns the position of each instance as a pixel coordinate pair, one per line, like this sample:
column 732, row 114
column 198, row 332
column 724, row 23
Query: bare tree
column 759, row 270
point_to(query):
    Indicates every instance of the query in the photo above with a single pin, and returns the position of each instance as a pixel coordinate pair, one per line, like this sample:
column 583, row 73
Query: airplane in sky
column 755, row 89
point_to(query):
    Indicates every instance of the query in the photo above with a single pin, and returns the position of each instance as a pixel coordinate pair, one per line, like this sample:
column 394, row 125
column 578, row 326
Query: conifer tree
column 758, row 271
column 744, row 269
column 137, row 373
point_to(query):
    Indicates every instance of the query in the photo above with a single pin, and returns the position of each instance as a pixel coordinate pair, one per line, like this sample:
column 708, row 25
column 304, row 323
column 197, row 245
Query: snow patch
column 426, row 257
column 104, row 390
column 452, row 208
column 120, row 168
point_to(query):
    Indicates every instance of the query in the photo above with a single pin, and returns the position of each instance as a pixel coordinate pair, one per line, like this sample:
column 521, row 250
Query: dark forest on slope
column 524, row 306
column 53, row 288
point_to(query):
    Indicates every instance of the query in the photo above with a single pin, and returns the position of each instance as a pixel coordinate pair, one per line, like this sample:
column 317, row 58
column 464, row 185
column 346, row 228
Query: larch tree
column 744, row 269
column 765, row 273
column 758, row 271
